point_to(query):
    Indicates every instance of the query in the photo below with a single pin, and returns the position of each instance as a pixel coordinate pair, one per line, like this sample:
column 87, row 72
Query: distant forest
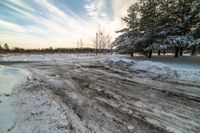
column 5, row 49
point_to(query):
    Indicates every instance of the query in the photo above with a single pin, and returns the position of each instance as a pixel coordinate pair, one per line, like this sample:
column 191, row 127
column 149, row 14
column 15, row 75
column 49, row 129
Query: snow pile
column 42, row 57
column 9, row 78
column 191, row 75
column 156, row 68
column 119, row 61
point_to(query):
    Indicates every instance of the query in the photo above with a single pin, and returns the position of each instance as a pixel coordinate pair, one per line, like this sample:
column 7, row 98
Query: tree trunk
column 146, row 54
column 176, row 51
column 159, row 52
column 150, row 51
column 193, row 50
column 131, row 54
column 111, row 51
column 150, row 54
column 96, row 51
column 181, row 51
column 164, row 52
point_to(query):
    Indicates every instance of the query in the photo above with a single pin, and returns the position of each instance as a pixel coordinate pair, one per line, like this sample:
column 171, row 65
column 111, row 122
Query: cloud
column 11, row 27
column 43, row 23
column 96, row 9
column 99, row 11
column 57, row 26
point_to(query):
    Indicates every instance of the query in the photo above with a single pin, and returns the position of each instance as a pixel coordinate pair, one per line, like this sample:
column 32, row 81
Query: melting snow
column 10, row 77
column 156, row 67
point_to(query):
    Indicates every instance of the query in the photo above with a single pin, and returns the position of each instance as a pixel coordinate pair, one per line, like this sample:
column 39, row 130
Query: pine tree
column 149, row 11
column 129, row 39
column 1, row 49
column 155, row 25
column 184, row 18
column 195, row 30
column 6, row 47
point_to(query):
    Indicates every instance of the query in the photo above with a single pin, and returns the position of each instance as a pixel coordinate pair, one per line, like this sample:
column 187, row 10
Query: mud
column 89, row 96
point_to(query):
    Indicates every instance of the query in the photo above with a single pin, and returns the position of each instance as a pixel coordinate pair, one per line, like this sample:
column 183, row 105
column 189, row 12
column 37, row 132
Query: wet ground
column 88, row 96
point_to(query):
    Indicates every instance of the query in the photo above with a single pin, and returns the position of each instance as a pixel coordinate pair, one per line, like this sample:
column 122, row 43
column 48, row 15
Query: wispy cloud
column 11, row 27
column 96, row 9
column 44, row 24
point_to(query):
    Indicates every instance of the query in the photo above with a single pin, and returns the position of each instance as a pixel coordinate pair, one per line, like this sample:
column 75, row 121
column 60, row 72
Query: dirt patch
column 93, row 97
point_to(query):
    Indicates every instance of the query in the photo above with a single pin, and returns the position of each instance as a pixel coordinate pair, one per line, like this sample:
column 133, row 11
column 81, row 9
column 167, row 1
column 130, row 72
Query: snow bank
column 119, row 61
column 155, row 67
column 9, row 78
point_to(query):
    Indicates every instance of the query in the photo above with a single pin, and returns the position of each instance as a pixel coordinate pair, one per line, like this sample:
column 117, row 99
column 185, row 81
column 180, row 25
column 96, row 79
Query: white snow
column 156, row 67
column 9, row 78
column 130, row 127
column 40, row 103
column 171, row 70
column 42, row 57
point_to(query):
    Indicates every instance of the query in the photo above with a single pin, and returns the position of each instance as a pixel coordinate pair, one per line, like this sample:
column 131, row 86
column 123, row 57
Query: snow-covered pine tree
column 195, row 29
column 145, row 25
column 125, row 43
column 194, row 45
column 150, row 13
column 183, row 20
column 178, row 42
column 157, row 24
column 163, row 26
column 178, row 19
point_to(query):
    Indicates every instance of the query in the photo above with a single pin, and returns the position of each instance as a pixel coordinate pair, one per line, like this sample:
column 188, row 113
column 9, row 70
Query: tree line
column 160, row 26
column 5, row 49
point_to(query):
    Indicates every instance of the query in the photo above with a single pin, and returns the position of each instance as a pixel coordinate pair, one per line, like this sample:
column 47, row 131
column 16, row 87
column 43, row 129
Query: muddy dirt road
column 89, row 96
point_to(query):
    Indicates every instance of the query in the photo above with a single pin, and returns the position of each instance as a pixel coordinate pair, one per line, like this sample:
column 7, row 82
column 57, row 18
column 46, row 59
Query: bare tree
column 103, row 41
column 109, row 46
column 81, row 43
column 79, row 46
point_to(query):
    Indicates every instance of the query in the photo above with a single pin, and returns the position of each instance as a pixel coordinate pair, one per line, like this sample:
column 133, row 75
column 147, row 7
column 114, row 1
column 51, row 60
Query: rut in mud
column 95, row 97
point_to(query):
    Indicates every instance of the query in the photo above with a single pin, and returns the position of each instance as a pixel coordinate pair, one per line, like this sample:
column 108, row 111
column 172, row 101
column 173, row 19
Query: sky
column 58, row 23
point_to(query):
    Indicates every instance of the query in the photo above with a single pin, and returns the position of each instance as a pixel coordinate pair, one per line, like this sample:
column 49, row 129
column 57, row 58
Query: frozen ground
column 43, row 57
column 9, row 78
column 104, row 94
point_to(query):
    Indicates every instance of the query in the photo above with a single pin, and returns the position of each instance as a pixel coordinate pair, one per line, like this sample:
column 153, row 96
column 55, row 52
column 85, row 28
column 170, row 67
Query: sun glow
column 38, row 24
